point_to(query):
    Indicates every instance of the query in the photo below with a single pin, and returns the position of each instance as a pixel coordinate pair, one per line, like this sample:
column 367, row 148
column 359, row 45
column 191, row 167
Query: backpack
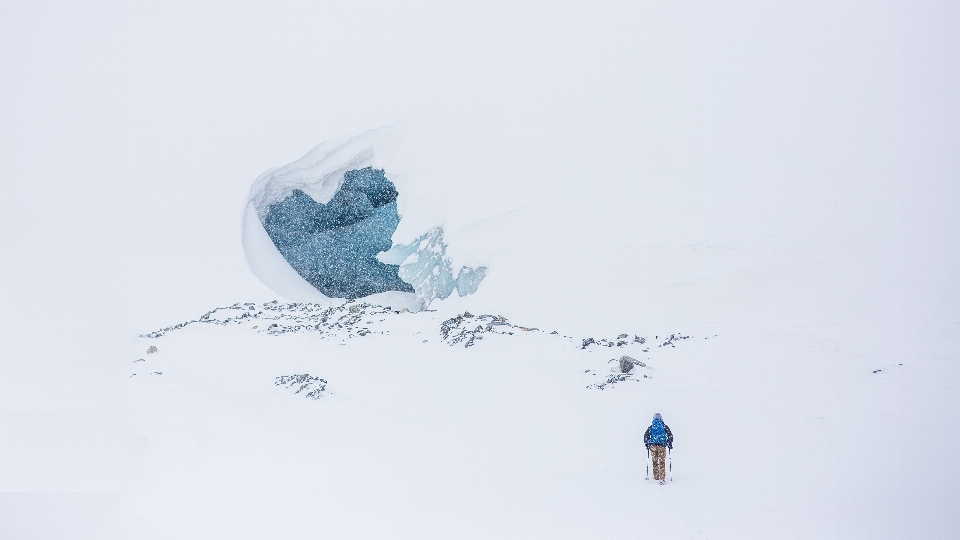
column 658, row 435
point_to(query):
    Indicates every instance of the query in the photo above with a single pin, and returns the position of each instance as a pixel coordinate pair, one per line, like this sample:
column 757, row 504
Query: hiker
column 658, row 439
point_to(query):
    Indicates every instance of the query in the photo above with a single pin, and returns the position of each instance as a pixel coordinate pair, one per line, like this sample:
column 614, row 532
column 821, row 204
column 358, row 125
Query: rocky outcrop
column 344, row 321
column 312, row 387
column 468, row 328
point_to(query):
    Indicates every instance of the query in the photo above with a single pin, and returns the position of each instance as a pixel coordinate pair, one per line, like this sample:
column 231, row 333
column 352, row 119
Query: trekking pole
column 648, row 463
column 670, row 459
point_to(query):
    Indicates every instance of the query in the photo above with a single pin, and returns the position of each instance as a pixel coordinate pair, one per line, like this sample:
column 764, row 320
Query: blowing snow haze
column 742, row 215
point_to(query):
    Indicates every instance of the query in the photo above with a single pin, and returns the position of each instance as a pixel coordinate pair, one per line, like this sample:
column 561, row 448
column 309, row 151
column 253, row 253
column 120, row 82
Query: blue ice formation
column 424, row 263
column 334, row 246
column 321, row 228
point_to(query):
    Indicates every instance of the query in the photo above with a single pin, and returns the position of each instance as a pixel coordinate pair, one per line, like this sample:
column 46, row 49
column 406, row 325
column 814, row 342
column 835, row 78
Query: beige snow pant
column 658, row 454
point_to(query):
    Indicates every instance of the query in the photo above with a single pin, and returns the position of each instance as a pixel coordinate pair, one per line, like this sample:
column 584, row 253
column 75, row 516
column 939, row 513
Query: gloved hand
column 670, row 446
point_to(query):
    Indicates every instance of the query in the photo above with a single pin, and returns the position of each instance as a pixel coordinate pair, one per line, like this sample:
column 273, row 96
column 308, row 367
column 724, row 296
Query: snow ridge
column 343, row 321
column 359, row 319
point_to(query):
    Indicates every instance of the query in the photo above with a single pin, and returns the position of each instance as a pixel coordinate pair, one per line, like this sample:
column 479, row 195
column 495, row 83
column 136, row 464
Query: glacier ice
column 424, row 263
column 333, row 246
column 321, row 228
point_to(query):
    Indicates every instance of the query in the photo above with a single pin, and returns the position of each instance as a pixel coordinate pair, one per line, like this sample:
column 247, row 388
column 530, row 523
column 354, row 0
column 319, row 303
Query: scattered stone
column 672, row 339
column 454, row 331
column 343, row 321
column 621, row 340
column 357, row 319
column 303, row 382
column 627, row 363
column 612, row 379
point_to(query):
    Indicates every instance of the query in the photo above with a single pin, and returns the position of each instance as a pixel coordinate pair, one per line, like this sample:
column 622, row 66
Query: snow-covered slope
column 764, row 192
column 475, row 425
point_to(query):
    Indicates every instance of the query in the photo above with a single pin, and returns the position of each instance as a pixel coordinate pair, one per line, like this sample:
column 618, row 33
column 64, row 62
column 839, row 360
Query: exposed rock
column 673, row 339
column 304, row 382
column 452, row 332
column 359, row 319
column 340, row 321
column 627, row 363
column 621, row 340
column 612, row 379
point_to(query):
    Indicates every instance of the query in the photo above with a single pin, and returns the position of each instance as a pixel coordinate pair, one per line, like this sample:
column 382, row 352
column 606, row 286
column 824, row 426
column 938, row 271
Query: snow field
column 415, row 436
column 779, row 175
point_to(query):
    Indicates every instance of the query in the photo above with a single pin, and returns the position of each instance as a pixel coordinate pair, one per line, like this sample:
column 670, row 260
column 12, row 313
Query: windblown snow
column 741, row 215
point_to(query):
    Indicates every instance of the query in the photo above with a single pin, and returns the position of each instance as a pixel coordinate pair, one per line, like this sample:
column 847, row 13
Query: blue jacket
column 658, row 434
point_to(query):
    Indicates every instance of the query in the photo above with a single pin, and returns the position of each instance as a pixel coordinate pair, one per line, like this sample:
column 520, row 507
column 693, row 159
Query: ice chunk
column 468, row 280
column 333, row 246
column 425, row 265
